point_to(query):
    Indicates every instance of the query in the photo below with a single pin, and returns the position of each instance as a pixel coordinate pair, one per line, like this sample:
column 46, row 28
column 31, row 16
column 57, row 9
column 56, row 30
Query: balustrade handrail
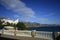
column 41, row 34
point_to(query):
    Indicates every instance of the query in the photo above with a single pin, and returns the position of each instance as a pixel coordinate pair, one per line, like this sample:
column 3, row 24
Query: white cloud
column 48, row 15
column 42, row 20
column 16, row 16
column 19, row 7
column 21, row 18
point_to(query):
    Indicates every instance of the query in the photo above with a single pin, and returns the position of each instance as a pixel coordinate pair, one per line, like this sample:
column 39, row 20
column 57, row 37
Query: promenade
column 27, row 35
column 9, row 37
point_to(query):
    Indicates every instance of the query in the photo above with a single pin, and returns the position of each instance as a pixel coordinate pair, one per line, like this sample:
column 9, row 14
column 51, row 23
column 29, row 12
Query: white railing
column 8, row 32
column 23, row 33
column 43, row 34
column 18, row 32
column 26, row 33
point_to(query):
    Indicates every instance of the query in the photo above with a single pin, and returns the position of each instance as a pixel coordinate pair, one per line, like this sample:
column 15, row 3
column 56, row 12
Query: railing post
column 33, row 33
column 15, row 32
column 55, row 35
column 2, row 31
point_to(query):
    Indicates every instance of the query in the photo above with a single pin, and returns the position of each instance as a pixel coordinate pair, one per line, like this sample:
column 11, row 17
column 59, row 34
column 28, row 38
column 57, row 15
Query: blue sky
column 41, row 11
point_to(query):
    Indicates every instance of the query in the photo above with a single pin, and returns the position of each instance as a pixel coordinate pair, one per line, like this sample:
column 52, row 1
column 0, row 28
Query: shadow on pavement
column 58, row 38
column 1, row 38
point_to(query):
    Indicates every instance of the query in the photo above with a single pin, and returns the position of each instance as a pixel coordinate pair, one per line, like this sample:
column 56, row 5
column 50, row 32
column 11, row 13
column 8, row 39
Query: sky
column 40, row 11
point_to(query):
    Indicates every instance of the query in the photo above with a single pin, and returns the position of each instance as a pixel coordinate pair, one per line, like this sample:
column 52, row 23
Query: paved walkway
column 8, row 37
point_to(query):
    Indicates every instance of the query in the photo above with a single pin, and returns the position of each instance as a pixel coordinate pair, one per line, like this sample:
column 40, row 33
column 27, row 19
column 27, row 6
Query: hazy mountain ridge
column 32, row 24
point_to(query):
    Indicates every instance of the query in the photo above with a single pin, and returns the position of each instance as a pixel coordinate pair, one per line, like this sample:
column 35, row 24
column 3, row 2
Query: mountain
column 31, row 24
column 34, row 24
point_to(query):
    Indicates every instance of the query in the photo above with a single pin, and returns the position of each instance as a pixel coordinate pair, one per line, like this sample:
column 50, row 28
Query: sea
column 46, row 31
column 46, row 28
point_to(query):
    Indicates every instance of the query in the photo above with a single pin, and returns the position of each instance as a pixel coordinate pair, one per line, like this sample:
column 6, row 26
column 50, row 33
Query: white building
column 8, row 27
column 10, row 21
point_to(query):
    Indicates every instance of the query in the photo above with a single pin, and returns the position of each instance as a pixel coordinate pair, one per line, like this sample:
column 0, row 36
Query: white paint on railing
column 43, row 34
column 0, row 31
column 26, row 33
column 23, row 33
column 9, row 32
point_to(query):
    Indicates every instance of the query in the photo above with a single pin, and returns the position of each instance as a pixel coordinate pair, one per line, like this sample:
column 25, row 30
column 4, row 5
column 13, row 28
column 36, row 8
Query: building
column 8, row 28
column 9, row 21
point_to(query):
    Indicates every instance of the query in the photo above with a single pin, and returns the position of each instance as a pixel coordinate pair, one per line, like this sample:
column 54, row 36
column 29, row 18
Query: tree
column 21, row 26
column 8, row 24
column 1, row 22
